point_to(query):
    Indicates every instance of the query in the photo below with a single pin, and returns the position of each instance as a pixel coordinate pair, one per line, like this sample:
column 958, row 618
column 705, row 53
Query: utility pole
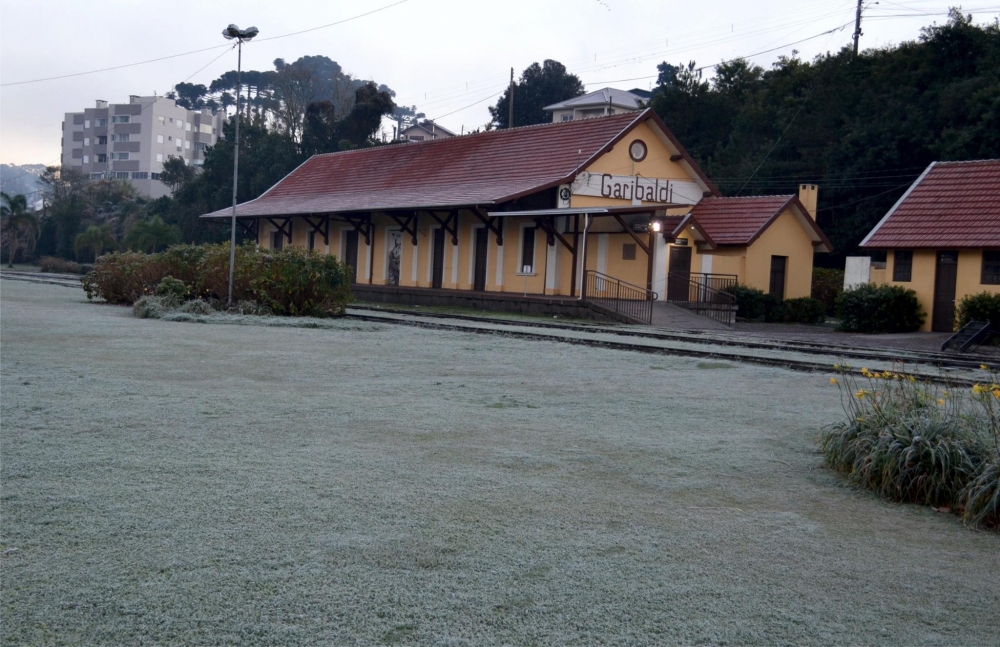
column 857, row 27
column 510, row 105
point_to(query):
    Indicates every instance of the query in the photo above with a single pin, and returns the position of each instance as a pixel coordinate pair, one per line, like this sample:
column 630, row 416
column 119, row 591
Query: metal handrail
column 631, row 301
column 720, row 282
column 703, row 298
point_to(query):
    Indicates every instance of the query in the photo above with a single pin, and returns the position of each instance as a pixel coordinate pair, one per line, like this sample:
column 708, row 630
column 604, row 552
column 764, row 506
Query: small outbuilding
column 942, row 237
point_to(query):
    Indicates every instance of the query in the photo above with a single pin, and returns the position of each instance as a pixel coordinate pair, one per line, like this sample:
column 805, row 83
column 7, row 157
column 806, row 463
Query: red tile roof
column 953, row 204
column 739, row 221
column 487, row 168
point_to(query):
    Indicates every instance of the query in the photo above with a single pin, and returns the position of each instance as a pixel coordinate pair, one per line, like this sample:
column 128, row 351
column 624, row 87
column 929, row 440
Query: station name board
column 635, row 188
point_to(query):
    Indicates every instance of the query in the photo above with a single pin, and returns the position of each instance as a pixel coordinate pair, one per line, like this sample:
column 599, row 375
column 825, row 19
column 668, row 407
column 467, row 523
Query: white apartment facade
column 130, row 141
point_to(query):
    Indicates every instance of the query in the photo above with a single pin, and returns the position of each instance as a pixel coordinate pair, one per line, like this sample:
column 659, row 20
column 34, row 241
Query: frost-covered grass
column 171, row 483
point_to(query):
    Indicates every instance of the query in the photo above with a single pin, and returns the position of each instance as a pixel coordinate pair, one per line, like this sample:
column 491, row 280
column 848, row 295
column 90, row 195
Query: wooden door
column 945, row 275
column 679, row 278
column 438, row 260
column 778, row 266
column 482, row 239
column 351, row 253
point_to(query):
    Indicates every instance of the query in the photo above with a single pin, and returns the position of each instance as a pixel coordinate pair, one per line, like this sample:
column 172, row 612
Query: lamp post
column 229, row 33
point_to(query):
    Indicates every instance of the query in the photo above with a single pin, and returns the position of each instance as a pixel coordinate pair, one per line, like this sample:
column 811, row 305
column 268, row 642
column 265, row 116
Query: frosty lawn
column 174, row 482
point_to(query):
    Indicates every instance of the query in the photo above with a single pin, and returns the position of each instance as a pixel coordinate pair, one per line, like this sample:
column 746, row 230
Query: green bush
column 805, row 310
column 292, row 281
column 827, row 284
column 915, row 442
column 749, row 301
column 879, row 309
column 297, row 282
column 979, row 307
column 171, row 288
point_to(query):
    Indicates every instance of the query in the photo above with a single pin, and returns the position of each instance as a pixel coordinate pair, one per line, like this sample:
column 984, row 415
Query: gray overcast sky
column 441, row 55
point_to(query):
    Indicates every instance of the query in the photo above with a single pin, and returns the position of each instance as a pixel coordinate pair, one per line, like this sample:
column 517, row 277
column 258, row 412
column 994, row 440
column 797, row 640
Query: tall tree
column 539, row 86
column 97, row 239
column 152, row 235
column 19, row 226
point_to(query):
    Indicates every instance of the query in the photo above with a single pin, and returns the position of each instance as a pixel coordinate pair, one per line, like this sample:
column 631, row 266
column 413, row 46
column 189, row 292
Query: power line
column 205, row 49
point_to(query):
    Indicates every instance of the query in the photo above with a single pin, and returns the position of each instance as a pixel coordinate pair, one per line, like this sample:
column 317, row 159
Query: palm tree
column 96, row 239
column 17, row 222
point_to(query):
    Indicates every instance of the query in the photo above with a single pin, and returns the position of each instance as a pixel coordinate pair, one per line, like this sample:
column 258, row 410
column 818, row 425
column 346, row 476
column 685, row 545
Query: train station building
column 537, row 212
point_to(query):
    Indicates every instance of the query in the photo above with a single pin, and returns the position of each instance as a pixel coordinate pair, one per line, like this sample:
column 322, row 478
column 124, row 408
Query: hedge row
column 292, row 281
column 757, row 305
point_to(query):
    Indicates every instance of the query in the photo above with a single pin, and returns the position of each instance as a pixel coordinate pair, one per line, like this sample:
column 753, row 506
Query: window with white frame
column 154, row 176
column 121, row 119
column 119, row 157
column 102, row 140
column 86, row 123
column 121, row 175
column 200, row 146
column 162, row 120
column 187, row 144
column 567, row 117
column 179, row 124
column 121, row 137
column 140, row 175
column 159, row 139
column 101, row 123
column 159, row 157
column 102, row 158
column 86, row 159
column 180, row 143
column 86, row 141
column 187, row 125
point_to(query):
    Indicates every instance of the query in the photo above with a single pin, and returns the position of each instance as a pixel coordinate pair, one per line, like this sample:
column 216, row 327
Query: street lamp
column 229, row 33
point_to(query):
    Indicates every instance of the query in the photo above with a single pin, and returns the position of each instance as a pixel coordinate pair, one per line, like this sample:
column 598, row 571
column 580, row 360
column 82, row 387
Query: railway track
column 937, row 367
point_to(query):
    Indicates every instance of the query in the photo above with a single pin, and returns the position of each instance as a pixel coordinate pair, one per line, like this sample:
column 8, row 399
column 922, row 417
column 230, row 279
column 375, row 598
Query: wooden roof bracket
column 493, row 224
column 631, row 233
column 548, row 226
column 363, row 225
column 282, row 228
column 321, row 227
column 449, row 224
column 249, row 226
column 407, row 224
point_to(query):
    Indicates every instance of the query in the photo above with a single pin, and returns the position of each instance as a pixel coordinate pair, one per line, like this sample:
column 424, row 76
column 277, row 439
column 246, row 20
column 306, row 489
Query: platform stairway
column 703, row 294
column 970, row 335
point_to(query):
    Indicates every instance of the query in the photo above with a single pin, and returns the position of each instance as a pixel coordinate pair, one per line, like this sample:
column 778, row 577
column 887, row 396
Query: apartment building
column 599, row 103
column 130, row 141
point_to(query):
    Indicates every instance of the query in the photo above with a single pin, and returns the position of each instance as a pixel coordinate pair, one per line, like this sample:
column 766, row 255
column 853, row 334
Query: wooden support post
column 631, row 233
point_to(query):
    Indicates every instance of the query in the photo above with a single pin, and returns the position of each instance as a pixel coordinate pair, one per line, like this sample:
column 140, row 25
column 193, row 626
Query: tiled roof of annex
column 953, row 204
column 739, row 221
column 481, row 169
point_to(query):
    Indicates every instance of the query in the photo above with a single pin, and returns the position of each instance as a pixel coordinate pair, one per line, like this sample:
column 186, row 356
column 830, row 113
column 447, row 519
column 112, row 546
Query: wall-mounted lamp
column 657, row 226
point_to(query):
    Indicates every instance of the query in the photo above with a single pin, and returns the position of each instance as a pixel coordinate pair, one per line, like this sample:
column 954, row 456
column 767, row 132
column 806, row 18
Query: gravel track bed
column 364, row 483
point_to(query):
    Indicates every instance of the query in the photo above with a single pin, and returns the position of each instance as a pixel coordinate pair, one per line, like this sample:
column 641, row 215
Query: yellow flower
column 833, row 380
column 984, row 367
column 979, row 389
column 912, row 379
column 996, row 393
column 860, row 394
column 941, row 402
column 837, row 366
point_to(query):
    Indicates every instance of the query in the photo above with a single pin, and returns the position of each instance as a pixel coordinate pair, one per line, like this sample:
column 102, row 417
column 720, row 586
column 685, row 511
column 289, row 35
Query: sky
column 450, row 58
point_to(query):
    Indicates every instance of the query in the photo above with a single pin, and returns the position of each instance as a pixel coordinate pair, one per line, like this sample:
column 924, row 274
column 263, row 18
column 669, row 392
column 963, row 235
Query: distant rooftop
column 603, row 97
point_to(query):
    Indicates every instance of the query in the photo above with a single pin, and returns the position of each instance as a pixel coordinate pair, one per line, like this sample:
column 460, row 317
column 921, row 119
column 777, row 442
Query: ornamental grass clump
column 916, row 442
